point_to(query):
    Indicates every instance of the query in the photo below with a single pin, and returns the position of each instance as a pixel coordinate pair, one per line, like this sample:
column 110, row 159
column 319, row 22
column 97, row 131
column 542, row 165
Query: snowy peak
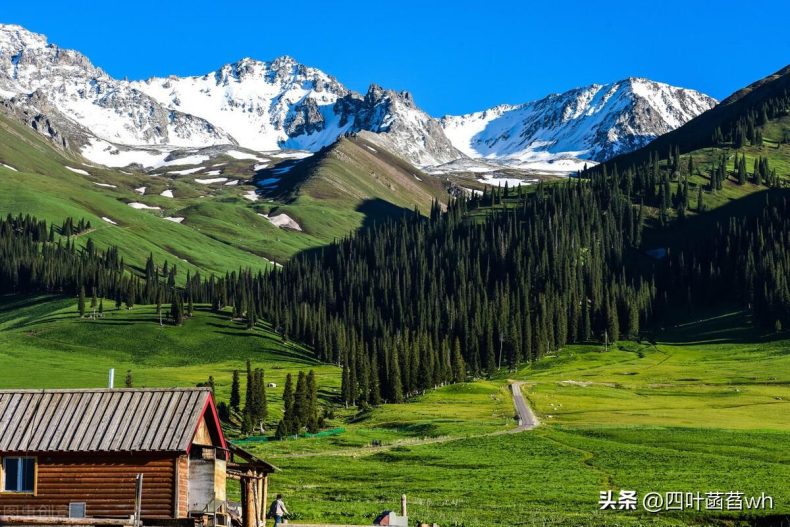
column 590, row 123
column 280, row 104
column 39, row 76
column 400, row 126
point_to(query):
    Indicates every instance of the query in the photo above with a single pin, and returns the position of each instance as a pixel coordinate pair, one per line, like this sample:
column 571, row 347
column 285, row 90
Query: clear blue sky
column 455, row 57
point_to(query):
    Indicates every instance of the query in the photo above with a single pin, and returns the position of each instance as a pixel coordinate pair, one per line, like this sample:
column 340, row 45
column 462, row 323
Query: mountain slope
column 699, row 132
column 356, row 180
column 591, row 123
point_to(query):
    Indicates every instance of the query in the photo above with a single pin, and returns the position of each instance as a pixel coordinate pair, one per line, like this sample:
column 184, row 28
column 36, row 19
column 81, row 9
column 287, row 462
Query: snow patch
column 212, row 180
column 9, row 167
column 108, row 220
column 140, row 190
column 167, row 193
column 282, row 221
column 293, row 155
column 78, row 171
column 251, row 195
column 142, row 206
column 186, row 172
column 236, row 154
column 491, row 179
column 175, row 219
column 105, row 185
column 232, row 183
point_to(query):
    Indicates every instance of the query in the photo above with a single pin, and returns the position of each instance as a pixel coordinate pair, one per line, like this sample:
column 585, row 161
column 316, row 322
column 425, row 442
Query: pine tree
column 128, row 381
column 458, row 368
column 312, row 403
column 235, row 395
column 249, row 393
column 81, row 302
column 300, row 405
column 288, row 406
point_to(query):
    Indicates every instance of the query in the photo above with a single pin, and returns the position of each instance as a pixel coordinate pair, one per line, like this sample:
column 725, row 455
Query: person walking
column 278, row 510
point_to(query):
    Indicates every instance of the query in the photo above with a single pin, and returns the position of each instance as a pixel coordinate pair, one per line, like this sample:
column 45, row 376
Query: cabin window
column 19, row 474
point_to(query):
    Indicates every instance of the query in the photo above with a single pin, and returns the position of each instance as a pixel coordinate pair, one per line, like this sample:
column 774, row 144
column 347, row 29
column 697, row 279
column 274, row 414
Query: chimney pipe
column 111, row 381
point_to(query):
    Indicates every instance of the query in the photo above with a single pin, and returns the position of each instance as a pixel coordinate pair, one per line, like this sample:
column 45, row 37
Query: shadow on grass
column 723, row 326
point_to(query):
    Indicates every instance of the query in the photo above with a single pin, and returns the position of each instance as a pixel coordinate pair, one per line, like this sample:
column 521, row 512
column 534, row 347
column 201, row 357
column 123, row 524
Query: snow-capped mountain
column 265, row 106
column 262, row 106
column 592, row 123
column 42, row 76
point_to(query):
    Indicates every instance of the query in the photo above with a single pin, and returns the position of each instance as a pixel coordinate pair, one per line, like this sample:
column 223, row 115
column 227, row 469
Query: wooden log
column 57, row 520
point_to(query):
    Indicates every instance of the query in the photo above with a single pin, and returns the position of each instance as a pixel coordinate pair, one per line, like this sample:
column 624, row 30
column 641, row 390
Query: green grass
column 45, row 345
column 713, row 373
column 345, row 188
column 704, row 409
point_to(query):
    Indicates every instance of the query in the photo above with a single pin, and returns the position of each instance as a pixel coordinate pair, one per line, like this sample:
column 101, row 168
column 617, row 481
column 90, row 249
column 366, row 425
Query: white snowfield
column 237, row 154
column 78, row 171
column 563, row 131
column 495, row 181
column 142, row 206
column 186, row 171
column 211, row 180
column 111, row 155
column 167, row 193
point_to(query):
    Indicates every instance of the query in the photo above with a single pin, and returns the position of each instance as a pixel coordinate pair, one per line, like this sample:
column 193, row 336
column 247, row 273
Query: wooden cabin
column 77, row 453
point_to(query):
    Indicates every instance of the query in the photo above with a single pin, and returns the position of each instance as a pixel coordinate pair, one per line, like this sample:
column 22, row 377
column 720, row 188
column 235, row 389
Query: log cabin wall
column 105, row 483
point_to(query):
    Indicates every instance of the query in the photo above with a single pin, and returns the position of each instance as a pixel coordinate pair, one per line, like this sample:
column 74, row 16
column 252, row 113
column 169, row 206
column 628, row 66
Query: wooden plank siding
column 105, row 483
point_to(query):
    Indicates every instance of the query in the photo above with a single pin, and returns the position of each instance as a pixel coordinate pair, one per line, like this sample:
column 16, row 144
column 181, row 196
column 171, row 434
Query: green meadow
column 704, row 407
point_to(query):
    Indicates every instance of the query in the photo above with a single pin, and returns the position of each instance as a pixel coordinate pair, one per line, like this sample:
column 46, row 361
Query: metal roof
column 100, row 420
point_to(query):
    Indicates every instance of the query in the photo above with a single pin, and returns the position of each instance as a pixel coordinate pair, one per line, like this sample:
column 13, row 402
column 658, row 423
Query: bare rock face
column 398, row 125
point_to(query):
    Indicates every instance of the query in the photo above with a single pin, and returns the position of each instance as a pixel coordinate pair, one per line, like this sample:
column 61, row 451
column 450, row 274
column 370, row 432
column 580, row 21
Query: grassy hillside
column 222, row 227
column 348, row 184
column 651, row 417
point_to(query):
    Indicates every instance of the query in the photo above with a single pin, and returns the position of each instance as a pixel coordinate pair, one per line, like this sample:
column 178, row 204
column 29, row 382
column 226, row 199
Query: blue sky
column 455, row 57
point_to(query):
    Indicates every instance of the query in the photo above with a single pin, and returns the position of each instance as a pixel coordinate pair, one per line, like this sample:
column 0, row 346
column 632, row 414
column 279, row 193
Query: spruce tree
column 235, row 395
column 81, row 302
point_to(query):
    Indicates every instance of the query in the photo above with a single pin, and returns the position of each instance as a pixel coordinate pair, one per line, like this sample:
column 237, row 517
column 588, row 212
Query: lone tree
column 235, row 393
column 81, row 302
column 128, row 382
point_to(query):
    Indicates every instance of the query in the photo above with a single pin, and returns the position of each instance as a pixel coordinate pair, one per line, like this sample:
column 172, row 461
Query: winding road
column 526, row 417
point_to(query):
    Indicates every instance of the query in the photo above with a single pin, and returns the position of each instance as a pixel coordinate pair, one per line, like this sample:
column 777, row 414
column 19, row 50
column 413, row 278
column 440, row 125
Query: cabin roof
column 103, row 420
